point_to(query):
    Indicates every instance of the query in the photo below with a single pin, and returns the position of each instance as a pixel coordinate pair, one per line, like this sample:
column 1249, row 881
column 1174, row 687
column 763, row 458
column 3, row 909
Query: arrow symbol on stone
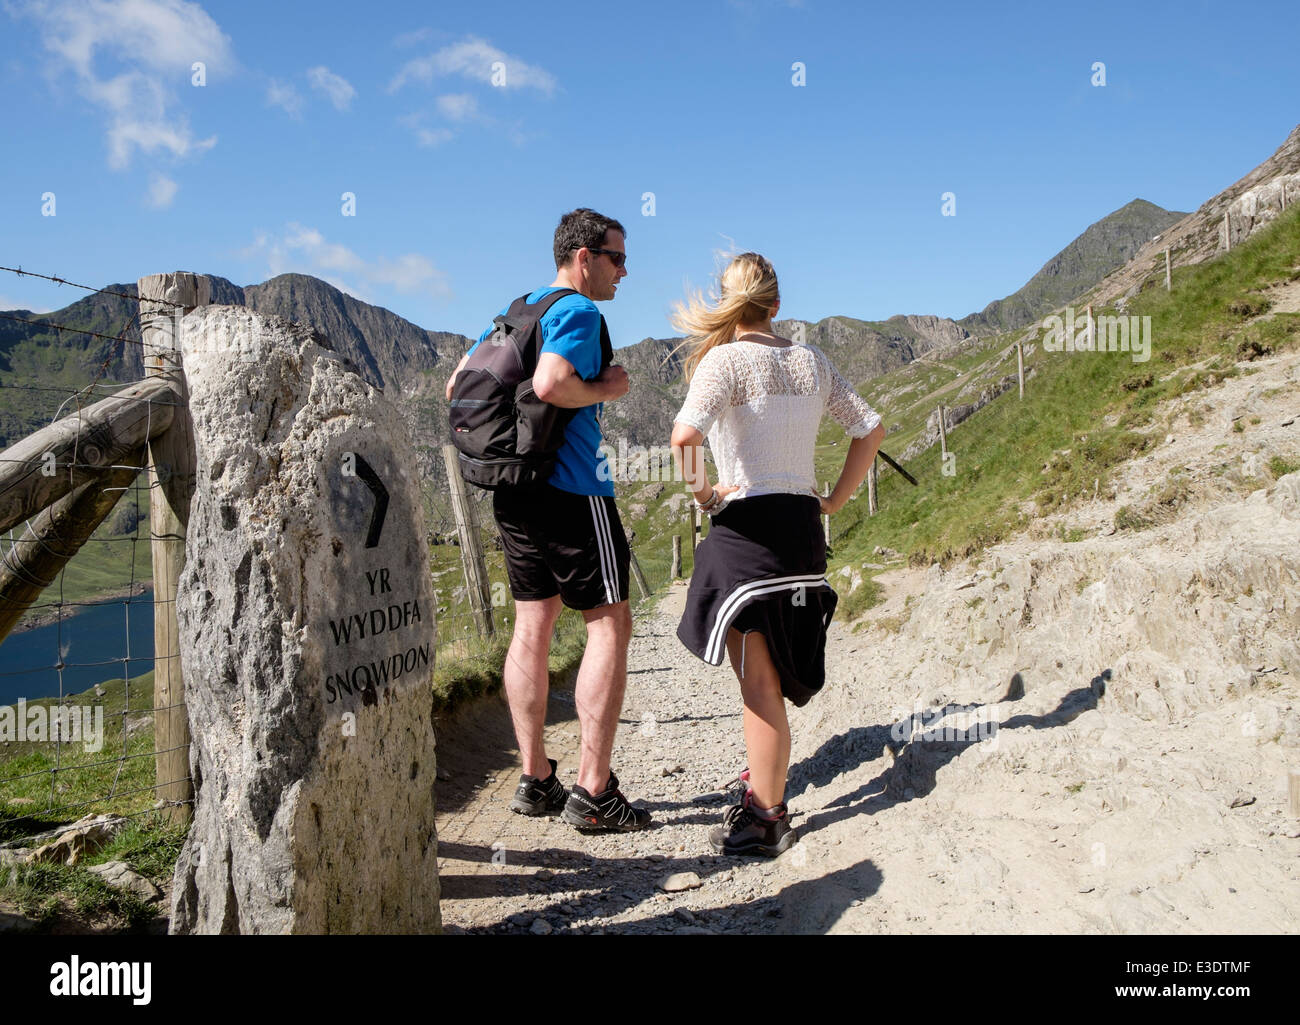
column 371, row 480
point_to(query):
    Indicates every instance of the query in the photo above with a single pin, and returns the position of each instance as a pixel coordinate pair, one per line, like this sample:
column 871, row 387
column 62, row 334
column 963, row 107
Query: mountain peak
column 1104, row 246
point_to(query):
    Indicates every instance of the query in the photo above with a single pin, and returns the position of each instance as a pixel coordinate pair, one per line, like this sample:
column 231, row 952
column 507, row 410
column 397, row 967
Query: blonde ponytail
column 747, row 294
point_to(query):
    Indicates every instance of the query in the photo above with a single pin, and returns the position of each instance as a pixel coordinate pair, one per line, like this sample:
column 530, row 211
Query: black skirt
column 762, row 568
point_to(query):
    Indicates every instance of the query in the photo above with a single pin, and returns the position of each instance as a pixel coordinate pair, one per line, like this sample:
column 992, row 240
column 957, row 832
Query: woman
column 759, row 586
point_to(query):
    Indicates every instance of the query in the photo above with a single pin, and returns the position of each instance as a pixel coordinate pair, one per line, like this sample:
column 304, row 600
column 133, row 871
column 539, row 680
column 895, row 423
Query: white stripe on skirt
column 755, row 588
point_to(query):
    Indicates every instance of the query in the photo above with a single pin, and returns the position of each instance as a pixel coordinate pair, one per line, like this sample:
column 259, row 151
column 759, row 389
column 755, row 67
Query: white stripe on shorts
column 605, row 545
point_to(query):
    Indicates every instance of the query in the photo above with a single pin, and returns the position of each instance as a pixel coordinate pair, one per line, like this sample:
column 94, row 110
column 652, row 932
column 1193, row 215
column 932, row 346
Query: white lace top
column 761, row 405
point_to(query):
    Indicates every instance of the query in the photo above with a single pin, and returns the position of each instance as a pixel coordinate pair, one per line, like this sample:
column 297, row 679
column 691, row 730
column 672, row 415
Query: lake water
column 93, row 645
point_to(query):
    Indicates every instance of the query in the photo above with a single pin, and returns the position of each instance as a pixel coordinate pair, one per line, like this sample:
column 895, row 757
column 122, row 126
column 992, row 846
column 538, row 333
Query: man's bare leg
column 527, row 679
column 602, row 679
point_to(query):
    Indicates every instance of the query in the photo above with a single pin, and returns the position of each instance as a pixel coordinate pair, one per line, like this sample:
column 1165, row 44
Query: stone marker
column 307, row 642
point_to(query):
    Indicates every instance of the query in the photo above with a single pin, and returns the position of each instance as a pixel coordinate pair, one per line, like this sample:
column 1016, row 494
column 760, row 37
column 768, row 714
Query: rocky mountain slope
column 1104, row 246
column 1250, row 203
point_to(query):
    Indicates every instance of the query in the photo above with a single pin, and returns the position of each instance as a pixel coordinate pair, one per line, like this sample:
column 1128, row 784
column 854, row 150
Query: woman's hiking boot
column 745, row 831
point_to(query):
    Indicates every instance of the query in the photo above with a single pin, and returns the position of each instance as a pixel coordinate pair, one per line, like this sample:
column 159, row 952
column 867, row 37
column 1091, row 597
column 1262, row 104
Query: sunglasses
column 619, row 258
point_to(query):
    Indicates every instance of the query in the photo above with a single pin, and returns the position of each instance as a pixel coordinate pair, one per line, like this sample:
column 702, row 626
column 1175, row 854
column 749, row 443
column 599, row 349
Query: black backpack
column 506, row 435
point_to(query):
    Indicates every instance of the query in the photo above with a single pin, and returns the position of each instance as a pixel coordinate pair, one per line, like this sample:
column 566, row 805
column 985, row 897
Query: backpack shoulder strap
column 606, row 347
column 521, row 312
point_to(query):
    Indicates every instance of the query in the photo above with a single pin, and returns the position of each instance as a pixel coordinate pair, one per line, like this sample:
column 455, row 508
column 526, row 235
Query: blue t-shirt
column 571, row 328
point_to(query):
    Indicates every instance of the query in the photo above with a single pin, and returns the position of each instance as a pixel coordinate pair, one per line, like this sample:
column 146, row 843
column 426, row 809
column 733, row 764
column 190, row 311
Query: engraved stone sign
column 306, row 618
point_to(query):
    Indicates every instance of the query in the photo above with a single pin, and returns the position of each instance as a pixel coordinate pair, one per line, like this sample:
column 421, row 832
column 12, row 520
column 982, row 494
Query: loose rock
column 678, row 882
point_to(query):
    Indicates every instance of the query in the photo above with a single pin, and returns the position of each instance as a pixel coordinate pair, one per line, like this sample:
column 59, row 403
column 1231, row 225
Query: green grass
column 44, row 892
column 1280, row 467
column 44, row 785
column 1095, row 405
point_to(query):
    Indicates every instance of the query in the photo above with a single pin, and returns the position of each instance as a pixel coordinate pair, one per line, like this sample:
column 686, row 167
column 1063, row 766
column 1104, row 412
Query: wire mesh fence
column 77, row 708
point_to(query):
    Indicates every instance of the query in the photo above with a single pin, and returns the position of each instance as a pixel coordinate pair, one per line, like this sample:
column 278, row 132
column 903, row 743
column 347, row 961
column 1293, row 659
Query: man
column 564, row 544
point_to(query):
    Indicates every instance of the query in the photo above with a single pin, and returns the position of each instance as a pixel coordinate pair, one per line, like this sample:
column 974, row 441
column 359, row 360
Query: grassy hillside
column 1083, row 412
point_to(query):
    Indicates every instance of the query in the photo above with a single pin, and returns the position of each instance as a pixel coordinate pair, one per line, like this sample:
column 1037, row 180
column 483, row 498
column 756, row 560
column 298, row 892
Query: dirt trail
column 1111, row 722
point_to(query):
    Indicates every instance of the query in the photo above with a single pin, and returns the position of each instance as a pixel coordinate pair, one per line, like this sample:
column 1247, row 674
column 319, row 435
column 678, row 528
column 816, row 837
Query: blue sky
column 459, row 179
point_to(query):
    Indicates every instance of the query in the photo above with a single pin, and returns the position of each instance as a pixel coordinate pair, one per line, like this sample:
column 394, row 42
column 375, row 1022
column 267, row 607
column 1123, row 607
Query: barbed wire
column 89, row 288
column 79, row 330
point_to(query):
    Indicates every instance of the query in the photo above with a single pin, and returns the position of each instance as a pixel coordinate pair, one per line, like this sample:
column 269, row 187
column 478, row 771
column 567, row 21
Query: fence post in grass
column 1227, row 232
column 164, row 300
column 1092, row 337
column 695, row 527
column 1168, row 280
column 637, row 575
column 943, row 436
column 871, row 489
column 1020, row 367
column 675, row 573
column 471, row 552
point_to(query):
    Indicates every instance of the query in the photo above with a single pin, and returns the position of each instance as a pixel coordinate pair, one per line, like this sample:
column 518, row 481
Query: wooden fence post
column 164, row 300
column 943, row 436
column 1020, row 367
column 695, row 527
column 637, row 575
column 871, row 488
column 675, row 573
column 1227, row 232
column 471, row 552
column 1168, row 280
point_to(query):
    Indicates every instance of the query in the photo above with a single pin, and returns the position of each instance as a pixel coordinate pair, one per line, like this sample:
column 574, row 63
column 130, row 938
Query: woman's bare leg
column 767, row 730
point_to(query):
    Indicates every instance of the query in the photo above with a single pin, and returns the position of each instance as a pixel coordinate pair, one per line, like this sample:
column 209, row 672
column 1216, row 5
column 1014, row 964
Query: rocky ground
column 1089, row 729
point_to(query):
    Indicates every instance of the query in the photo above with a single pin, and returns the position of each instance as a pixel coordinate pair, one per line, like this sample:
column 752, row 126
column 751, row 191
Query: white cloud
column 458, row 106
column 307, row 251
column 162, row 190
column 433, row 136
column 474, row 58
column 286, row 97
column 336, row 87
column 9, row 303
column 424, row 135
column 150, row 41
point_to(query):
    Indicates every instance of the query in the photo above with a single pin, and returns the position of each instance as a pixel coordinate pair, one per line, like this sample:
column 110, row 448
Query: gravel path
column 1111, row 723
column 679, row 741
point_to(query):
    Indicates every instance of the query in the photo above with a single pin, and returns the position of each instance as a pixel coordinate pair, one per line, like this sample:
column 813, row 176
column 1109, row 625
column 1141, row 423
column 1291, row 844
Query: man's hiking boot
column 744, row 831
column 539, row 796
column 605, row 812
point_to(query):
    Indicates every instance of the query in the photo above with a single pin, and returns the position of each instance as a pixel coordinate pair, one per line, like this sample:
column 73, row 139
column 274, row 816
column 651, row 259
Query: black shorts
column 557, row 542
